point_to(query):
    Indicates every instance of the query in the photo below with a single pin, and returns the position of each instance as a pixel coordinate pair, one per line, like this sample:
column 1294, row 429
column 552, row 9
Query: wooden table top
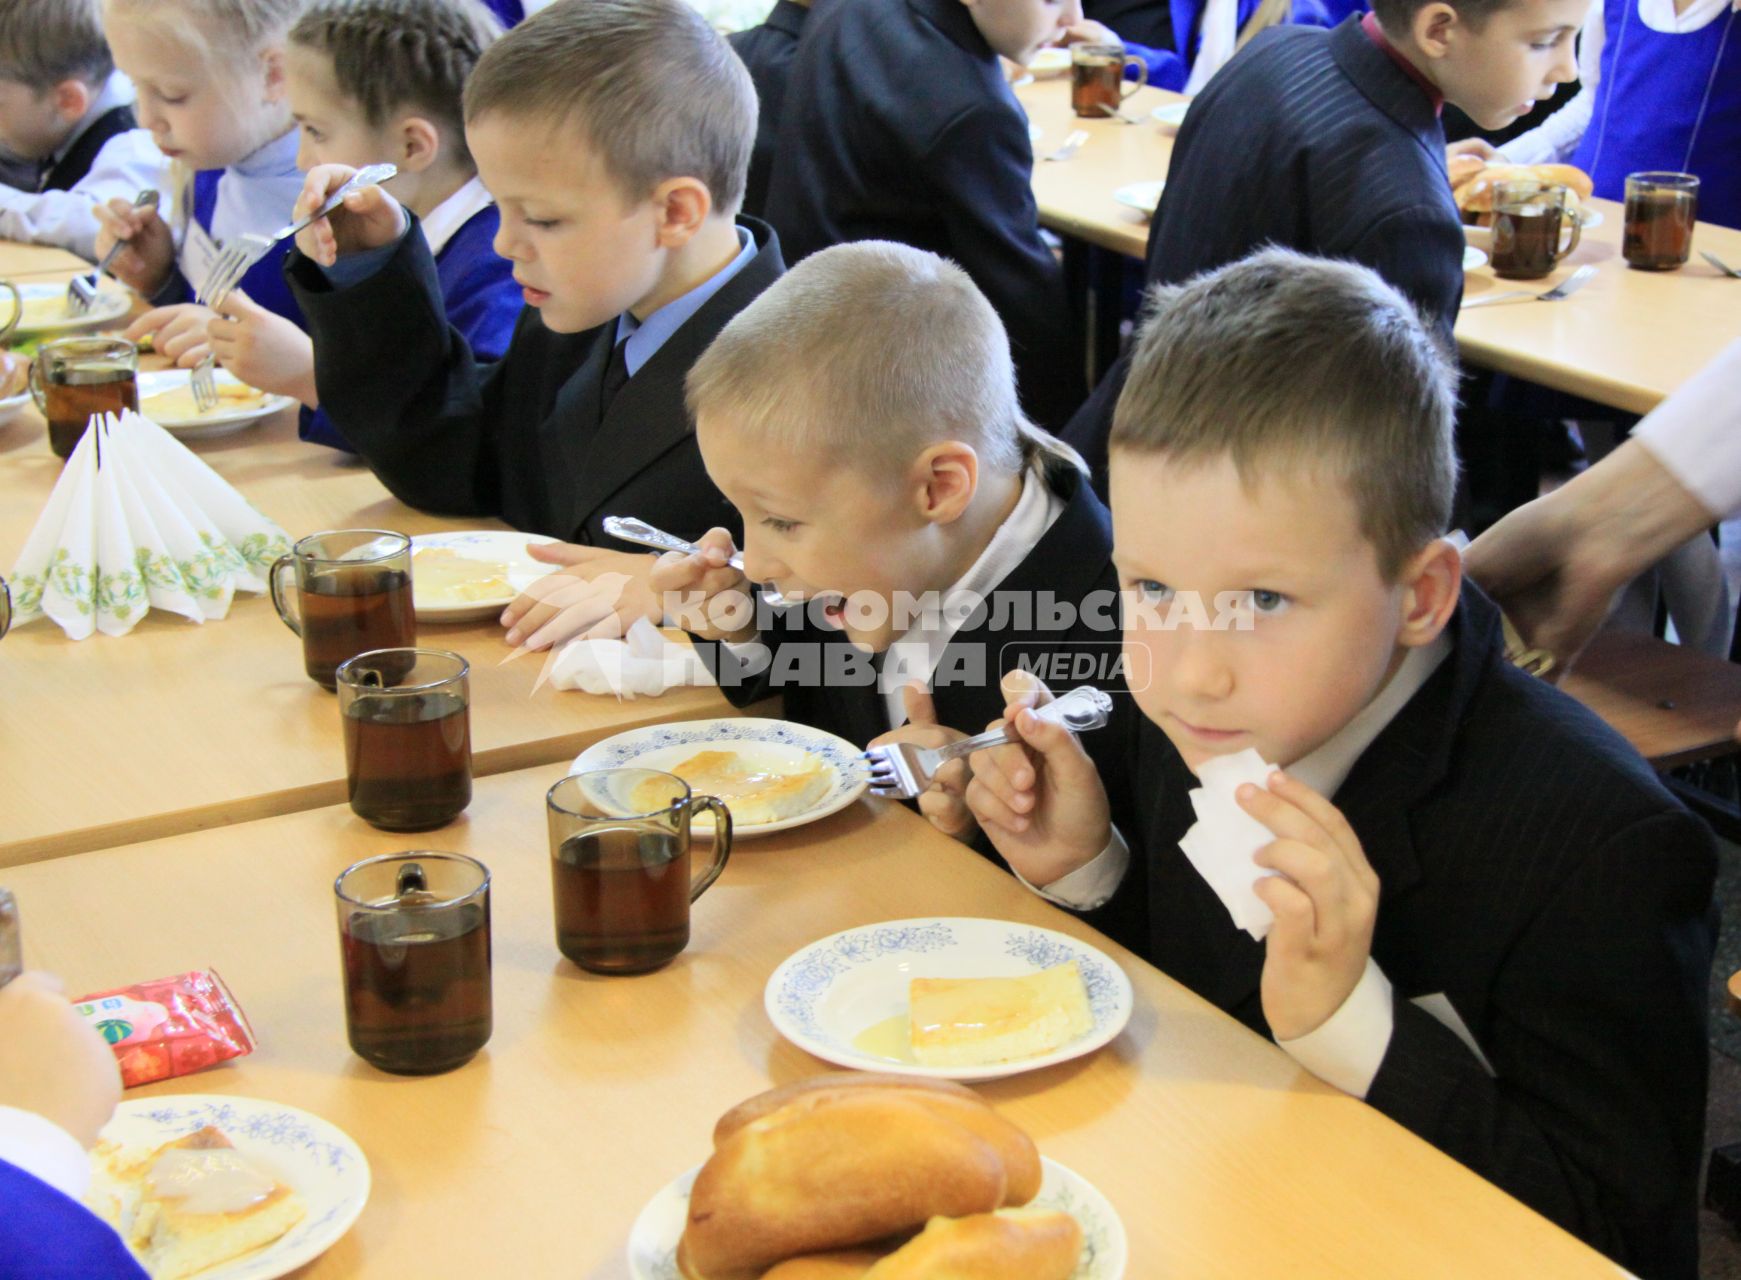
column 1675, row 705
column 1222, row 1157
column 178, row 726
column 1626, row 340
column 21, row 261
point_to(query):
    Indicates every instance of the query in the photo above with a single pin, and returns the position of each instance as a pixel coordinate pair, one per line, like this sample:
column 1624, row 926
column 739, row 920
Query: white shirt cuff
column 1696, row 433
column 44, row 1150
column 1347, row 1049
column 1092, row 883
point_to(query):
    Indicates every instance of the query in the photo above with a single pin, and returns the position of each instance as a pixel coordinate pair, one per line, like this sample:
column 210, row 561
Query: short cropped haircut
column 1287, row 363
column 223, row 33
column 868, row 353
column 656, row 91
column 43, row 42
column 393, row 56
column 1395, row 16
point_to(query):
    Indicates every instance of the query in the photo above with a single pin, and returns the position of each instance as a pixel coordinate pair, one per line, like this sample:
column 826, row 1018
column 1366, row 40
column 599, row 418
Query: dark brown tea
column 1526, row 240
column 408, row 759
column 350, row 611
column 417, row 991
column 622, row 898
column 1094, row 85
column 1659, row 229
column 71, row 396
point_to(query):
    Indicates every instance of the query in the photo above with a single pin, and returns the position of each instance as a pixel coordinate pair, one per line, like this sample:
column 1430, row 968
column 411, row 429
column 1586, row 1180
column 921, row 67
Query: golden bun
column 1475, row 195
column 1462, row 168
column 837, row 1264
column 773, row 1099
column 1016, row 1244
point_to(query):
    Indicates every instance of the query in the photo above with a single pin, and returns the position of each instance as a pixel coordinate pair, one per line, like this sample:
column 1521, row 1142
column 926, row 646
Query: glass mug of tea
column 1661, row 209
column 414, row 938
column 620, row 867
column 1097, row 79
column 408, row 740
column 1534, row 226
column 73, row 378
column 354, row 588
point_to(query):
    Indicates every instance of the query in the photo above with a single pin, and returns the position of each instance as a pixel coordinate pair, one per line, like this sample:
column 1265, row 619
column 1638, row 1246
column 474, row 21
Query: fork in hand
column 241, row 253
column 901, row 770
column 81, row 291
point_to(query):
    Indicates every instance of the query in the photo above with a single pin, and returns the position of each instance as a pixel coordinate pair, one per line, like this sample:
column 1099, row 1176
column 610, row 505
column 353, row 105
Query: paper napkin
column 1220, row 844
column 643, row 663
column 138, row 522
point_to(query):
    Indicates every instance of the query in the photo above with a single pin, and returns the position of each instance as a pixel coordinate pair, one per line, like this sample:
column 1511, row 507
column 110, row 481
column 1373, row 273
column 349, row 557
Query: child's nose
column 1199, row 663
column 1566, row 65
column 760, row 566
column 507, row 244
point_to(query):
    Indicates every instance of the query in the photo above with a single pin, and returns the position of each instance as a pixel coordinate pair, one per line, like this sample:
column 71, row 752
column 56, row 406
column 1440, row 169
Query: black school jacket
column 768, row 51
column 522, row 438
column 67, row 172
column 898, row 125
column 1311, row 140
column 1534, row 870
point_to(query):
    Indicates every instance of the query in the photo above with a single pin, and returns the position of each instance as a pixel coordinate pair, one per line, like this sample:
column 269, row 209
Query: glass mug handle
column 17, row 310
column 721, row 841
column 5, row 607
column 1576, row 219
column 1142, row 77
column 35, row 383
column 276, row 579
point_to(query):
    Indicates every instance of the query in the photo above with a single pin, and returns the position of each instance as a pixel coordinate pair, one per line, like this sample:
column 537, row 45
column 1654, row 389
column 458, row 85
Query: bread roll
column 1016, row 1244
column 760, row 1105
column 831, row 1171
column 1462, row 168
column 839, row 1264
column 1476, row 195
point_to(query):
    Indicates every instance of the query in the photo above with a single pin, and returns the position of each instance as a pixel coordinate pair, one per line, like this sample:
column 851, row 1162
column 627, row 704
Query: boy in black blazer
column 617, row 204
column 899, row 125
column 1329, row 142
column 921, row 533
column 1490, row 920
column 767, row 50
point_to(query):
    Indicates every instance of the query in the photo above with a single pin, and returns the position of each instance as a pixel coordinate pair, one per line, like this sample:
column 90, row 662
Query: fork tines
column 228, row 268
column 81, row 293
column 204, row 384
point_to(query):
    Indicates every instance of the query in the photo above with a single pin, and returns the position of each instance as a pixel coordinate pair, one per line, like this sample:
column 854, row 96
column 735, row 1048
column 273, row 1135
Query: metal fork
column 902, row 770
column 1718, row 263
column 1559, row 293
column 1072, row 144
column 81, row 291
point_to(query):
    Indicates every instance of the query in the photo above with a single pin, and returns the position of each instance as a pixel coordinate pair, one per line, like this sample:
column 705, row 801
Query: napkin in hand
column 136, row 522
column 642, row 662
column 1220, row 844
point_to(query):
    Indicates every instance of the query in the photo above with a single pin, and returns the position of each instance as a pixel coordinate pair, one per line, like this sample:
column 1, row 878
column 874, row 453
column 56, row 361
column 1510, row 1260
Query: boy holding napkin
column 1490, row 920
column 617, row 196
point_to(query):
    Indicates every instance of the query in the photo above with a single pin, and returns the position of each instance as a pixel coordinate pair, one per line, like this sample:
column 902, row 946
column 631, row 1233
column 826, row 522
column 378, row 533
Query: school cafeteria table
column 178, row 726
column 1626, row 340
column 1221, row 1156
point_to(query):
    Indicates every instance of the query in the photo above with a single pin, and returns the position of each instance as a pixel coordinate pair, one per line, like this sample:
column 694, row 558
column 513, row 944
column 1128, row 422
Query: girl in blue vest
column 210, row 80
column 1206, row 33
column 375, row 80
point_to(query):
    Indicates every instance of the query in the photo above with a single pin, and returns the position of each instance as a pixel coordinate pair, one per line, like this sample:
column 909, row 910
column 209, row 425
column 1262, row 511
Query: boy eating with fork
column 1491, row 921
column 617, row 198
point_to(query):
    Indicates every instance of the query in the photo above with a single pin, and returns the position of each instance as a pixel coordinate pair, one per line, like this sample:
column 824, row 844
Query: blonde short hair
column 869, row 352
column 43, row 42
column 219, row 31
column 656, row 91
column 1285, row 363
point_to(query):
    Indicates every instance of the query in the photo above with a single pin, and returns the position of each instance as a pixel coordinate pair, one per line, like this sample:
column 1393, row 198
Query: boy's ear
column 272, row 65
column 419, row 144
column 1432, row 580
column 72, row 98
column 683, row 204
column 1430, row 28
column 945, row 478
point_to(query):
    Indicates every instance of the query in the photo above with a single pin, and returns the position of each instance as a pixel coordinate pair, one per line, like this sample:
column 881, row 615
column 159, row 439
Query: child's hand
column 264, row 350
column 1325, row 901
column 368, row 219
column 145, row 264
column 1089, row 31
column 596, row 594
column 703, row 594
column 944, row 802
column 178, row 331
column 52, row 1061
column 1477, row 147
column 1042, row 804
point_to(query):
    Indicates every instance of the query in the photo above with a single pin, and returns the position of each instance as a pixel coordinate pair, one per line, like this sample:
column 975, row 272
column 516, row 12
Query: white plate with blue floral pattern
column 762, row 744
column 312, row 1157
column 826, row 996
column 653, row 1240
column 499, row 546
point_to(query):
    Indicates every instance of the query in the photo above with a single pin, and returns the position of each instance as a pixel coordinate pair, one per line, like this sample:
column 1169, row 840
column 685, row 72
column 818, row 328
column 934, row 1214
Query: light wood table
column 21, row 260
column 1626, row 340
column 178, row 726
column 1222, row 1157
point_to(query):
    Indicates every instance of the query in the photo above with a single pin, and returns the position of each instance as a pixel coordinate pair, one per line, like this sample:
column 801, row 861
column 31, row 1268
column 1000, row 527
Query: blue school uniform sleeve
column 1167, row 70
column 45, row 1235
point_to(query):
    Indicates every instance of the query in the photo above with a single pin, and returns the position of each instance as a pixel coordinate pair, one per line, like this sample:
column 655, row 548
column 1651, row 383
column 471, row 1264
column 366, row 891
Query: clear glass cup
column 1097, row 83
column 1534, row 226
column 73, row 379
column 1661, row 209
column 354, row 594
column 408, row 743
column 414, row 937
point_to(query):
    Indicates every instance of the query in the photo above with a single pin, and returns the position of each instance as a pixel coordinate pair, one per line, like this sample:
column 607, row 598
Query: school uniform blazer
column 1312, row 140
column 1534, row 871
column 768, row 51
column 45, row 1235
column 898, row 125
column 67, row 172
column 522, row 438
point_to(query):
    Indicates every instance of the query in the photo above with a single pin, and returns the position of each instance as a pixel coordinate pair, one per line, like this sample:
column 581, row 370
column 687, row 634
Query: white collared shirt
column 918, row 650
column 454, row 212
